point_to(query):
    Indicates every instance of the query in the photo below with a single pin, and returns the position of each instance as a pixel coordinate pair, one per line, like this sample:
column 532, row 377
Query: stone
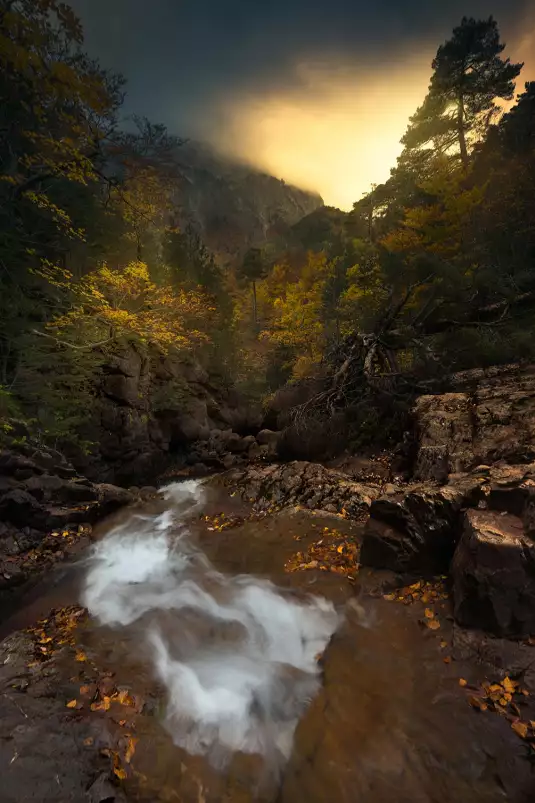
column 20, row 508
column 236, row 444
column 267, row 437
column 417, row 530
column 302, row 483
column 112, row 497
column 493, row 574
column 490, row 417
column 443, row 430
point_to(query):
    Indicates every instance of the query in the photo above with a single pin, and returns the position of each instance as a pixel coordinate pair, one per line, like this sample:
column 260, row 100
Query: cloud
column 317, row 93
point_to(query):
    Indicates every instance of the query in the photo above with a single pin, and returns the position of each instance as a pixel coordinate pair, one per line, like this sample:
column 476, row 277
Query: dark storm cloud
column 182, row 56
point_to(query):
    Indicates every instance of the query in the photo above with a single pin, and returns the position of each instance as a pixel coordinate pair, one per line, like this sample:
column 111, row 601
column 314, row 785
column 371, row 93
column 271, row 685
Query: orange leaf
column 475, row 702
column 433, row 624
column 120, row 773
column 429, row 614
column 463, row 682
column 81, row 657
column 131, row 749
column 72, row 704
column 520, row 728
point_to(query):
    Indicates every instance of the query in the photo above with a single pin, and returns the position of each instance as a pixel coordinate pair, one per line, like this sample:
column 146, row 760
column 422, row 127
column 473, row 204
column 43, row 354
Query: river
column 261, row 685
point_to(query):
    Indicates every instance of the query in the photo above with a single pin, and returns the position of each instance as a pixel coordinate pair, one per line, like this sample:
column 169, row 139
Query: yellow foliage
column 108, row 304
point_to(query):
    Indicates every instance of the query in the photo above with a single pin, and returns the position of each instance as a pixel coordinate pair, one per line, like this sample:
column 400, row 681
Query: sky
column 317, row 92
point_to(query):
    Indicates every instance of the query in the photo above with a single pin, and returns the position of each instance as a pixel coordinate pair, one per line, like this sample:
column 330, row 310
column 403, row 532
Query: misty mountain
column 232, row 205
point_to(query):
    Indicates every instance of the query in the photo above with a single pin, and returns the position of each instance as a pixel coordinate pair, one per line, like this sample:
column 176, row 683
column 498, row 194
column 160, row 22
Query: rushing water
column 237, row 656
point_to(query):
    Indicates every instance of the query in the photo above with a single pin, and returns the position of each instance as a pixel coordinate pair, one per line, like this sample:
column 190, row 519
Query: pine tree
column 469, row 76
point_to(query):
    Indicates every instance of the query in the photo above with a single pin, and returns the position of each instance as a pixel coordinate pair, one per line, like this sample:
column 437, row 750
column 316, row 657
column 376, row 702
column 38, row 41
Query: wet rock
column 493, row 575
column 103, row 791
column 111, row 497
column 417, row 530
column 301, row 483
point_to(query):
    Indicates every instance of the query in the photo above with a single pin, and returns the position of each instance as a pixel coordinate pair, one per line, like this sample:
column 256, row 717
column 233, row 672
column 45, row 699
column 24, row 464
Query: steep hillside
column 232, row 205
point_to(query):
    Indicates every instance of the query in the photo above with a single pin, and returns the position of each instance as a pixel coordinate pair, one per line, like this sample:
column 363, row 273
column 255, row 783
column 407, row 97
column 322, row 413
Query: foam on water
column 236, row 654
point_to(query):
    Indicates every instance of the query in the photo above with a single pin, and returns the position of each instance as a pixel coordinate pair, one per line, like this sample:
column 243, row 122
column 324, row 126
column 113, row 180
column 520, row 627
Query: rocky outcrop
column 493, row 575
column 490, row 417
column 151, row 409
column 41, row 492
column 417, row 530
column 300, row 483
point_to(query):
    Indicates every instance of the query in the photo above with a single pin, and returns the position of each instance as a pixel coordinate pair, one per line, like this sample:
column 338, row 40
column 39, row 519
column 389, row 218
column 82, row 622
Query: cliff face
column 232, row 205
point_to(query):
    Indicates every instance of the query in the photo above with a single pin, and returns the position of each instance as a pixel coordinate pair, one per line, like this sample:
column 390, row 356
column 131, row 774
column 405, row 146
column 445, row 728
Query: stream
column 258, row 684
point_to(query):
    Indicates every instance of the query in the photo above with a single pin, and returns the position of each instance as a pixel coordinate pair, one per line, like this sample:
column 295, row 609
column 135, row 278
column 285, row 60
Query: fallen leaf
column 520, row 728
column 447, row 659
column 476, row 702
column 509, row 685
column 120, row 773
column 89, row 741
column 429, row 614
column 72, row 703
column 443, row 645
column 389, row 597
column 463, row 682
column 433, row 624
column 81, row 657
column 131, row 749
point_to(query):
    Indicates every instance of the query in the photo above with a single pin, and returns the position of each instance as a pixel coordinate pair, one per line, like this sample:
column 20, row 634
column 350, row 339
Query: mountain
column 232, row 205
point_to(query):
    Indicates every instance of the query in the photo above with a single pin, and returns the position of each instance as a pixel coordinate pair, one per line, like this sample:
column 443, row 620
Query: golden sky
column 339, row 132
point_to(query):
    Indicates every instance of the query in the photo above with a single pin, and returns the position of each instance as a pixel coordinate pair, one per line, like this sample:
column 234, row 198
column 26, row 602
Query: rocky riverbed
column 415, row 591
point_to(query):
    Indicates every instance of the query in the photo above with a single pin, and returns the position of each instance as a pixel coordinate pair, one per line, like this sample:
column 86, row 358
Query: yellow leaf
column 340, row 549
column 509, row 685
column 120, row 773
column 72, row 703
column 429, row 614
column 520, row 728
column 443, row 645
column 81, row 657
column 433, row 624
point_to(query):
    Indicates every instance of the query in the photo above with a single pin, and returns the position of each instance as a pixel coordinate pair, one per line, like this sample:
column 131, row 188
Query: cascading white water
column 237, row 655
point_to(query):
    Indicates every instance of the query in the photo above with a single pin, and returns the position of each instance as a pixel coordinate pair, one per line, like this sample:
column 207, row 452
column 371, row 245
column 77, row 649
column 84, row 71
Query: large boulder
column 493, row 575
column 489, row 417
column 417, row 530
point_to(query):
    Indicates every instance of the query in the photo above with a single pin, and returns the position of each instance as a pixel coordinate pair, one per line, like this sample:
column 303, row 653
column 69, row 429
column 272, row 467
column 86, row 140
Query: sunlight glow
column 337, row 134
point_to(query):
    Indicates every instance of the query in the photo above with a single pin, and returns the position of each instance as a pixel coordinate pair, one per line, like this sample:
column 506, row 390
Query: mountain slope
column 232, row 205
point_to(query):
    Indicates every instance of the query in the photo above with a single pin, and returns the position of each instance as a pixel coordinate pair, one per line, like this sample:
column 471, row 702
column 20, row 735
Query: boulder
column 268, row 437
column 111, row 497
column 493, row 575
column 21, row 508
column 236, row 444
column 301, row 483
column 417, row 530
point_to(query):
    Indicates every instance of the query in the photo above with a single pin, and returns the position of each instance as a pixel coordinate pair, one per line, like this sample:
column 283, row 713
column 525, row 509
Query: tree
column 469, row 75
column 252, row 269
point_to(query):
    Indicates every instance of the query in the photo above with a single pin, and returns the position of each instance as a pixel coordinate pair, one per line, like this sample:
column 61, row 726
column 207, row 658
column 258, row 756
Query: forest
column 432, row 272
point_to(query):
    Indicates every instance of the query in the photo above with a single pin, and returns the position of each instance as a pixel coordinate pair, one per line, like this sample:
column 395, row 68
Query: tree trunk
column 460, row 131
column 255, row 315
